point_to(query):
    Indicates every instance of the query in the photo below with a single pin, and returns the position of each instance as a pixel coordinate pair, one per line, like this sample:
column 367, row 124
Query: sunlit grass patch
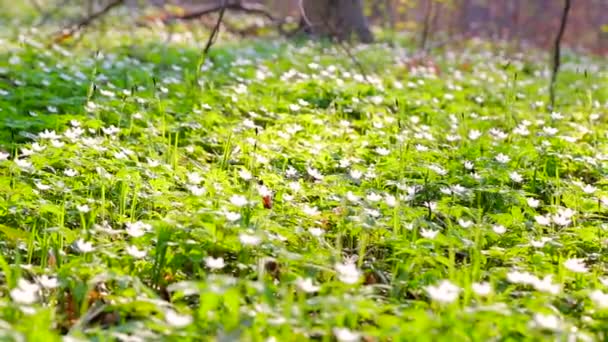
column 285, row 196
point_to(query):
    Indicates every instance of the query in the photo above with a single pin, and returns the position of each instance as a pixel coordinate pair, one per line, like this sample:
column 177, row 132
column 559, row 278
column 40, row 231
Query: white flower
column 547, row 322
column 307, row 285
column 70, row 172
column 465, row 223
column 561, row 220
column 197, row 190
column 23, row 164
column 352, row 197
column 4, row 156
column 498, row 134
column 390, row 200
column 137, row 229
column 316, row 231
column 431, row 205
column 194, row 178
column 348, row 273
column 264, row 191
column 421, row 148
column 46, row 134
column 563, row 216
column 540, row 243
column 356, row 174
column 290, row 172
column 482, row 289
column 135, row 252
column 245, row 174
column 525, row 278
column 542, row 220
column 177, row 320
column 576, row 265
column 42, row 187
column 373, row 197
column 468, row 165
column 25, row 292
column 445, row 292
column 295, row 186
column 214, row 263
column 532, row 202
column 438, row 169
column 48, row 282
column 152, row 163
column 314, row 173
column 83, row 208
column 428, row 233
column 599, row 298
column 567, row 212
column 346, row 335
column 83, row 246
column 502, row 158
column 238, row 200
column 57, row 143
column 232, row 216
column 310, row 211
column 383, row 151
column 516, row 177
column 499, row 229
column 249, row 240
column 589, row 189
column 546, row 285
column 550, row 131
column 474, row 134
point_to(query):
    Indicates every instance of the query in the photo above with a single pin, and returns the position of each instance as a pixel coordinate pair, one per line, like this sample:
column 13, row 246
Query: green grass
column 403, row 208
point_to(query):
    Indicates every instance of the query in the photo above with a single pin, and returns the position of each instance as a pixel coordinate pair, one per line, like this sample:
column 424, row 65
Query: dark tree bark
column 428, row 14
column 336, row 18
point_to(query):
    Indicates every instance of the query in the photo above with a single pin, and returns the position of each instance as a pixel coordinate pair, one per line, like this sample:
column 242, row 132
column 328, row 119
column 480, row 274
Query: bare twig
column 46, row 16
column 303, row 13
column 354, row 59
column 557, row 53
column 68, row 32
column 36, row 5
column 211, row 39
column 216, row 29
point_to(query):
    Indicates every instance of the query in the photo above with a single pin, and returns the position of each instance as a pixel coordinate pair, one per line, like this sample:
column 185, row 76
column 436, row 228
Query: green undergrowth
column 283, row 193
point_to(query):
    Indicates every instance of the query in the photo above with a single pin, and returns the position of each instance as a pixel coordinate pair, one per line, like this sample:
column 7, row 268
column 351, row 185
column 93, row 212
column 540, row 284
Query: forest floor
column 282, row 193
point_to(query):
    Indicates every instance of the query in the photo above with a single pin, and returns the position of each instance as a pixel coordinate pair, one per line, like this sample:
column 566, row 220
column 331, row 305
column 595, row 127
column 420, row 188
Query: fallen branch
column 237, row 6
column 69, row 32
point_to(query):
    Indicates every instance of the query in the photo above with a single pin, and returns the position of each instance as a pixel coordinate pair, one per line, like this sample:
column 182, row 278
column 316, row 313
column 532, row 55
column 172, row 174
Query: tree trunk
column 337, row 18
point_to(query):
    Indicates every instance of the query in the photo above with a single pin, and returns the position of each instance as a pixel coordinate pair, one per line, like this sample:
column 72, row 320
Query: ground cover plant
column 283, row 195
